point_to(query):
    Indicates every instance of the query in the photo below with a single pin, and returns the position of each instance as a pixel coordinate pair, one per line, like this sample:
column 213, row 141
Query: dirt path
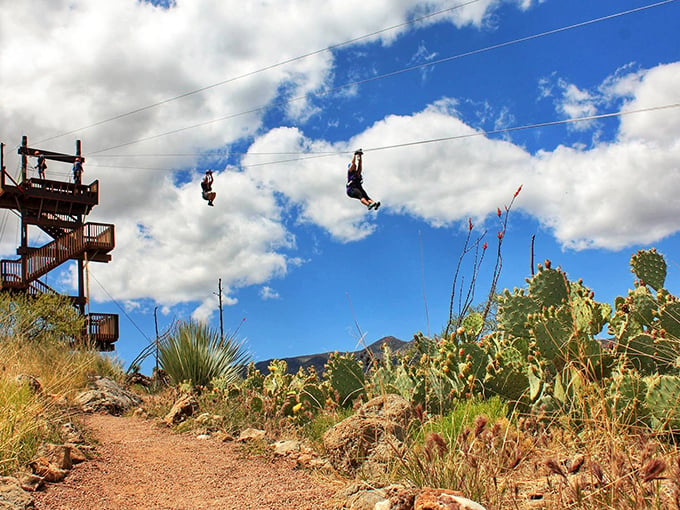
column 141, row 466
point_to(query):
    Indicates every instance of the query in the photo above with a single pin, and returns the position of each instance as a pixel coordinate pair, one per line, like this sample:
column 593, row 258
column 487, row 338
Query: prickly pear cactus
column 473, row 324
column 513, row 311
column 641, row 305
column 663, row 402
column 589, row 315
column 640, row 352
column 346, row 377
column 551, row 332
column 391, row 376
column 506, row 375
column 627, row 394
column 669, row 319
column 276, row 383
column 473, row 360
column 650, row 268
column 549, row 287
column 310, row 392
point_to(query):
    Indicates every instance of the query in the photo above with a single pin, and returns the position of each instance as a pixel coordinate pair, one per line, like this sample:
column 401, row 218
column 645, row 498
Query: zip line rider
column 354, row 180
column 206, row 185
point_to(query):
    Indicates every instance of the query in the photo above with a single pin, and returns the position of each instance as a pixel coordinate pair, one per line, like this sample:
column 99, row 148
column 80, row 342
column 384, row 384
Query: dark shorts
column 357, row 192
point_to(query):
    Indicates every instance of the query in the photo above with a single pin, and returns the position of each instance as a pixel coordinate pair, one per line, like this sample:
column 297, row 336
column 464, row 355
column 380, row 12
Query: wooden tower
column 58, row 208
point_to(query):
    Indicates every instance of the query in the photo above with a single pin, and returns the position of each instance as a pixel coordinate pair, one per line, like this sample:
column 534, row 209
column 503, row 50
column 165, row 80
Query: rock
column 311, row 461
column 107, row 396
column 57, row 455
column 443, row 499
column 186, row 406
column 30, row 482
column 72, row 434
column 374, row 433
column 48, row 471
column 140, row 412
column 286, row 447
column 203, row 437
column 223, row 436
column 77, row 455
column 366, row 500
column 30, row 381
column 251, row 434
column 140, row 379
column 12, row 496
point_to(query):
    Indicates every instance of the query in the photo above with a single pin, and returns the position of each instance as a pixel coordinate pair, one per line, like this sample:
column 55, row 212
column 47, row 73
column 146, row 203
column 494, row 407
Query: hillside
column 318, row 361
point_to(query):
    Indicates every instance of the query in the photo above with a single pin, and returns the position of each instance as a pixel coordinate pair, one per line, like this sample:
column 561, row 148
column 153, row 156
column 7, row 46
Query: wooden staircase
column 91, row 241
column 58, row 209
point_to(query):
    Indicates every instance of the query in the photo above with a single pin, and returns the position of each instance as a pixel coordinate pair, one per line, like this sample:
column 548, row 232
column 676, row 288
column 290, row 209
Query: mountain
column 318, row 361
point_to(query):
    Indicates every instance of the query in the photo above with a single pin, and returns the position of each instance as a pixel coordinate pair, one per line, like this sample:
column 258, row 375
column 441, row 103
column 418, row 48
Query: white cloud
column 80, row 62
column 267, row 292
column 608, row 196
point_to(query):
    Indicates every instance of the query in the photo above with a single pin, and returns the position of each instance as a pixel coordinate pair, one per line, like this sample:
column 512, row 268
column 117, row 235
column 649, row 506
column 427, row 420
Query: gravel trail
column 139, row 465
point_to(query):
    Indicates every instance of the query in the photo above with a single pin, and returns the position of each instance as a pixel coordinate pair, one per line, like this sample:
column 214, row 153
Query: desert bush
column 195, row 352
column 49, row 316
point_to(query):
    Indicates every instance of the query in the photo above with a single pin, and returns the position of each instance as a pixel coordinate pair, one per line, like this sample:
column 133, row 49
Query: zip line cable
column 491, row 132
column 392, row 73
column 263, row 69
column 442, row 139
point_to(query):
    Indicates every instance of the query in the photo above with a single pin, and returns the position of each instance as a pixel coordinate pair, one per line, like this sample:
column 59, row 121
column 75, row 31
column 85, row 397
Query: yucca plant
column 193, row 352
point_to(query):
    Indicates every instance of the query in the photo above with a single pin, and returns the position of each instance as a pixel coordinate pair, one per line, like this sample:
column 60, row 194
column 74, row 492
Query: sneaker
column 376, row 205
column 371, row 205
column 211, row 204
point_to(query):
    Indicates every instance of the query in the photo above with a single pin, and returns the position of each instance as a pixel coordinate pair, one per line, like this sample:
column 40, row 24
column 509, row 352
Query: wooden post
column 219, row 287
column 24, row 223
column 24, row 158
column 155, row 320
column 81, row 265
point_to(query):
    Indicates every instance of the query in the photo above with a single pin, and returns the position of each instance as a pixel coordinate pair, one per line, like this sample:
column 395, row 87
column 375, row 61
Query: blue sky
column 298, row 259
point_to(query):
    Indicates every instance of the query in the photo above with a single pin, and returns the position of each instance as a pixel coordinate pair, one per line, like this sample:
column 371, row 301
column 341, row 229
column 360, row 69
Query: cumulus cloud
column 611, row 195
column 267, row 292
column 80, row 63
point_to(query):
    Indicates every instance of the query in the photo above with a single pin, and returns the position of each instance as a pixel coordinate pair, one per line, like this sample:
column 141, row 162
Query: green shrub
column 195, row 352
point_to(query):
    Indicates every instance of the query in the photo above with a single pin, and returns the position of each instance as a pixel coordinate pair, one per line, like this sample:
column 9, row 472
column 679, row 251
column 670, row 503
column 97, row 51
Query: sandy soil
column 141, row 466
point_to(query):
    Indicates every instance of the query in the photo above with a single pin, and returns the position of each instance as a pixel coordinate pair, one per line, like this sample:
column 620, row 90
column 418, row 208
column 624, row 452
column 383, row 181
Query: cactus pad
column 513, row 312
column 663, row 402
column 549, row 287
column 650, row 268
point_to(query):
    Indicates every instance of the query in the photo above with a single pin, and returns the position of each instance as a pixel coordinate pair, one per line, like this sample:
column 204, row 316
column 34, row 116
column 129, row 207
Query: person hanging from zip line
column 41, row 165
column 206, row 185
column 354, row 181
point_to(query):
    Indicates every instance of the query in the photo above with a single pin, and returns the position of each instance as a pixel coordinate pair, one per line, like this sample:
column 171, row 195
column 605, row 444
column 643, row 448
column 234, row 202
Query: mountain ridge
column 319, row 360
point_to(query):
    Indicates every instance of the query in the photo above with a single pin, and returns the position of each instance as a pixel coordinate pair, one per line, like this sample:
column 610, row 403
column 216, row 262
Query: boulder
column 107, row 396
column 185, row 407
column 251, row 434
column 12, row 496
column 286, row 447
column 57, row 455
column 373, row 434
column 29, row 482
column 366, row 500
column 46, row 470
column 443, row 499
